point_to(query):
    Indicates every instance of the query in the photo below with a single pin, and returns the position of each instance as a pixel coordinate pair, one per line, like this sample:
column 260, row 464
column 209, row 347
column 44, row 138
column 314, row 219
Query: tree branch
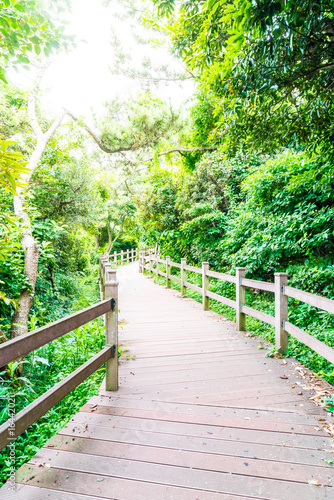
column 180, row 150
column 32, row 115
column 95, row 136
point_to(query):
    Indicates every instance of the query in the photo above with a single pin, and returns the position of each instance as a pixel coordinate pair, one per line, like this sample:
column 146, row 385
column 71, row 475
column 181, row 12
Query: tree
column 269, row 64
column 29, row 245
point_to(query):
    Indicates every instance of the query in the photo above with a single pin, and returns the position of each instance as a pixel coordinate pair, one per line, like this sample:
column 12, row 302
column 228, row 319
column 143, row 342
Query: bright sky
column 81, row 80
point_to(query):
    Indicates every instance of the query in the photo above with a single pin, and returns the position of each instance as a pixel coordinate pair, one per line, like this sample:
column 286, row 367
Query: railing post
column 281, row 312
column 107, row 271
column 115, row 257
column 122, row 257
column 104, row 261
column 128, row 256
column 111, row 292
column 205, row 285
column 144, row 263
column 167, row 272
column 240, row 299
column 140, row 263
column 132, row 255
column 183, row 277
column 100, row 261
column 151, row 265
column 158, row 266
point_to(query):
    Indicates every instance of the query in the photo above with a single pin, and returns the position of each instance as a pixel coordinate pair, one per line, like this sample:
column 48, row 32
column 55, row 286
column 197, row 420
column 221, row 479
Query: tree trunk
column 96, row 242
column 30, row 248
column 29, row 245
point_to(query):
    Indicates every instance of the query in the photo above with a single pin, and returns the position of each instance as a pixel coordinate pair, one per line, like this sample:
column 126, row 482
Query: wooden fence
column 124, row 256
column 280, row 289
column 21, row 346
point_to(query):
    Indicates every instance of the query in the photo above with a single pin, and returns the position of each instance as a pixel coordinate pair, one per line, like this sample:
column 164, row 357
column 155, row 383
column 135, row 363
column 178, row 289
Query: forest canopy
column 239, row 175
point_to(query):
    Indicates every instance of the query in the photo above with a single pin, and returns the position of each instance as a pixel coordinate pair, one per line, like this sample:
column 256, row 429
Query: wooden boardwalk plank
column 250, row 466
column 201, row 414
column 182, row 477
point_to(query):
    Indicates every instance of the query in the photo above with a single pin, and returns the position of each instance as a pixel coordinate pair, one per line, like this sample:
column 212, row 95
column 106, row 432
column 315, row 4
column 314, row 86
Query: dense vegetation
column 249, row 181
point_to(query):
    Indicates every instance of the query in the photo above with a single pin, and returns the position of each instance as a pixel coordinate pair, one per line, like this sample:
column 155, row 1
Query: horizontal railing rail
column 24, row 344
column 259, row 285
column 10, row 430
column 279, row 288
column 310, row 298
column 125, row 256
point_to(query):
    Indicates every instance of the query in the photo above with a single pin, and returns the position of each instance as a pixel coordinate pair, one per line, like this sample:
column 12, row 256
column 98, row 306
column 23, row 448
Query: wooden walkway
column 201, row 414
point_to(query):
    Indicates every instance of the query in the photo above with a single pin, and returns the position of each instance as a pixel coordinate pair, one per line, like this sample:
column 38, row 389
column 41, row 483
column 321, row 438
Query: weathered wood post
column 115, row 257
column 281, row 312
column 151, row 265
column 183, row 277
column 104, row 261
column 158, row 267
column 167, row 272
column 107, row 271
column 144, row 263
column 100, row 262
column 111, row 292
column 128, row 256
column 240, row 299
column 132, row 255
column 205, row 286
column 122, row 257
column 140, row 264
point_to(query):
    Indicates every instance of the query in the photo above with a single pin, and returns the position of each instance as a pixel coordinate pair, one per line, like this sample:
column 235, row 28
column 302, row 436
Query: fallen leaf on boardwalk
column 300, row 393
column 314, row 482
column 284, row 377
column 50, row 445
column 293, row 386
column 329, row 429
column 84, row 426
column 100, row 479
column 322, row 419
column 284, row 362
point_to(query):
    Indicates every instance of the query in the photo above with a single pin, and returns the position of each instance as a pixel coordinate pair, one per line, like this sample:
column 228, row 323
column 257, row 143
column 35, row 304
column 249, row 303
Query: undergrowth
column 317, row 323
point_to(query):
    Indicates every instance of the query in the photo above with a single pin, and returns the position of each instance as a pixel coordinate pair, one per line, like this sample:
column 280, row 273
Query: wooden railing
column 279, row 288
column 20, row 346
column 125, row 256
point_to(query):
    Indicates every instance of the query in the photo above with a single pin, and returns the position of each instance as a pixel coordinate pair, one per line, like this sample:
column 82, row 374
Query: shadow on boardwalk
column 201, row 413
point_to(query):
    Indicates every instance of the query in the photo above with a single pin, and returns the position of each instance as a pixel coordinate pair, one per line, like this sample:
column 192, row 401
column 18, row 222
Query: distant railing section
column 279, row 288
column 124, row 256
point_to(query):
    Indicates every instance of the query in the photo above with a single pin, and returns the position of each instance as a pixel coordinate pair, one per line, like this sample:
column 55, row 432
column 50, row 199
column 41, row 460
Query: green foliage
column 30, row 27
column 11, row 168
column 266, row 65
column 142, row 123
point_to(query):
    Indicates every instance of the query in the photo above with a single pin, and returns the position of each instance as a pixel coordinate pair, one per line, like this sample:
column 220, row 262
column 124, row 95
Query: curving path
column 201, row 414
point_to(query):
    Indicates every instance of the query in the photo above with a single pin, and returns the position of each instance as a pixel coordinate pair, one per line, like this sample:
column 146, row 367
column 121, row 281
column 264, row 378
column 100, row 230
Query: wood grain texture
column 201, row 413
